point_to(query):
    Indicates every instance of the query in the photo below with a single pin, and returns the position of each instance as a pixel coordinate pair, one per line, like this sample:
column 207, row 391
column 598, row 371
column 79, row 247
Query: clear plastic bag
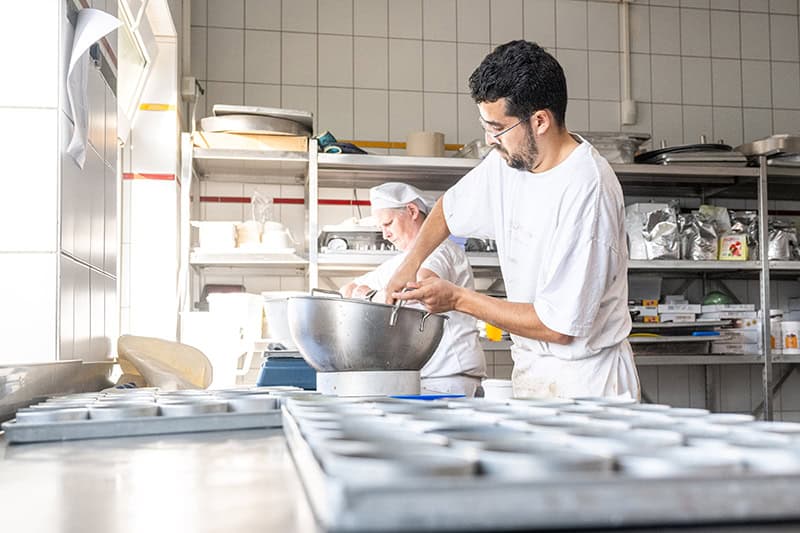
column 661, row 236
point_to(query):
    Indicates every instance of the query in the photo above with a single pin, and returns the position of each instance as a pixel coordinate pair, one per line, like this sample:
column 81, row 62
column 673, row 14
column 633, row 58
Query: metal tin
column 38, row 416
column 193, row 408
column 728, row 419
column 687, row 412
column 532, row 460
column 785, row 428
column 252, row 403
column 121, row 411
column 388, row 467
column 682, row 462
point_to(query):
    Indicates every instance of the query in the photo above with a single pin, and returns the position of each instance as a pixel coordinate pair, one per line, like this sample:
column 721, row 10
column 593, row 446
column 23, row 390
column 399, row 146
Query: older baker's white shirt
column 562, row 247
column 459, row 351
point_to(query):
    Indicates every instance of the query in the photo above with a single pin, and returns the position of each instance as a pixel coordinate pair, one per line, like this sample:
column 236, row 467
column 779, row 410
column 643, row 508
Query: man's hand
column 436, row 294
column 405, row 273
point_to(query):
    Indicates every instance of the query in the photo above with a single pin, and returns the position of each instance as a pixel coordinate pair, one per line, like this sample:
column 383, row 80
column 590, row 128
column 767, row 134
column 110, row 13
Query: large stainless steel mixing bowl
column 340, row 335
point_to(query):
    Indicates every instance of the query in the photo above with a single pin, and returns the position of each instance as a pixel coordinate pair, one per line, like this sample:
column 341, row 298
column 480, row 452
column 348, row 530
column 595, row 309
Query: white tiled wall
column 378, row 69
column 50, row 210
column 88, row 215
column 56, row 240
column 732, row 73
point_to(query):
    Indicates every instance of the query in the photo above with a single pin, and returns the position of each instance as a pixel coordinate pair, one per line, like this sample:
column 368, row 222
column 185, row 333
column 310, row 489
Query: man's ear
column 413, row 210
column 542, row 121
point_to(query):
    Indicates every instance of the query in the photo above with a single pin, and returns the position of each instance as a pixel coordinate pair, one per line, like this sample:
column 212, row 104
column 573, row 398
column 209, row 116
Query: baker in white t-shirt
column 556, row 210
column 458, row 364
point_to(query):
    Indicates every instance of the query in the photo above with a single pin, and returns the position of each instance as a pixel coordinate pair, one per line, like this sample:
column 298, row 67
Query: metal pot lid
column 652, row 155
column 254, row 124
column 783, row 143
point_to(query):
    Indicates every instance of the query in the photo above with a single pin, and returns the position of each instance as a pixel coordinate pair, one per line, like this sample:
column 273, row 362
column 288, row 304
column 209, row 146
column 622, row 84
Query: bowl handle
column 326, row 291
column 396, row 309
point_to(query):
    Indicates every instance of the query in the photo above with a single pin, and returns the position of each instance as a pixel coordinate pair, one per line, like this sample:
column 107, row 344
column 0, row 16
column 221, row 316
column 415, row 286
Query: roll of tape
column 425, row 144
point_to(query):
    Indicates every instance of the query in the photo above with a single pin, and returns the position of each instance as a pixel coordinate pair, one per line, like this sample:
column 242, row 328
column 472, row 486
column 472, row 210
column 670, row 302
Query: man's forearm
column 433, row 232
column 518, row 318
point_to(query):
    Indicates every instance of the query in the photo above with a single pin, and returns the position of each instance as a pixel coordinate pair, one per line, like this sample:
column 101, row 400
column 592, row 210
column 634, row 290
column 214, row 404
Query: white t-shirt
column 459, row 352
column 562, row 247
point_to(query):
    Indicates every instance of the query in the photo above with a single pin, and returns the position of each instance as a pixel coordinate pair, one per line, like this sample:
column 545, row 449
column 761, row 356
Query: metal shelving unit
column 354, row 170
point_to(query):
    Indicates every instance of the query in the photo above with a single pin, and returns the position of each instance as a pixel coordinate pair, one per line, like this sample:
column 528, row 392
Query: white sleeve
column 466, row 204
column 439, row 263
column 378, row 279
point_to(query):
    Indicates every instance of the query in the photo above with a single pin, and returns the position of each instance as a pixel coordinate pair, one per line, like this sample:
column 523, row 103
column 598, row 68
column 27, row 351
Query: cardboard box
column 740, row 336
column 728, row 307
column 677, row 317
column 644, row 310
column 735, row 348
column 723, row 315
column 246, row 141
column 679, row 308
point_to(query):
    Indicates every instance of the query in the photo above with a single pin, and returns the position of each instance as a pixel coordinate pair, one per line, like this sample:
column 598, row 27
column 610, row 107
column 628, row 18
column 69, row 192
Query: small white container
column 790, row 332
column 497, row 389
column 216, row 235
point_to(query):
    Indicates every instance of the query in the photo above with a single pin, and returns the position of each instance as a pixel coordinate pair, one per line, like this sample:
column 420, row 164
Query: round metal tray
column 254, row 125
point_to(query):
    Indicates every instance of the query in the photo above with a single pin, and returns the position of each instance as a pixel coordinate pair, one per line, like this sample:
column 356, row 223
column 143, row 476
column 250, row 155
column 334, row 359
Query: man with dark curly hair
column 556, row 210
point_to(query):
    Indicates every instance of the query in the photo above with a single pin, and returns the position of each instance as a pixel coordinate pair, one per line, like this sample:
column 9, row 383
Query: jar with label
column 776, row 339
column 790, row 331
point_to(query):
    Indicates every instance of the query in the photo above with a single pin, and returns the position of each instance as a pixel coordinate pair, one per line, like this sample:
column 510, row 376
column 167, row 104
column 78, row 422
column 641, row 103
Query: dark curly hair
column 525, row 75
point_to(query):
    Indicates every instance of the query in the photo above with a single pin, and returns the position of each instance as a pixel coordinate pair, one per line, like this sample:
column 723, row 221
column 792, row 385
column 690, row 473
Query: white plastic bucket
column 244, row 309
column 497, row 389
column 790, row 331
column 216, row 235
column 220, row 341
column 276, row 313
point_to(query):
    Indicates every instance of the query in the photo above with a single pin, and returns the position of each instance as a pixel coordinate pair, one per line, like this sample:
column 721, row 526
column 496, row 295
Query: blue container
column 291, row 371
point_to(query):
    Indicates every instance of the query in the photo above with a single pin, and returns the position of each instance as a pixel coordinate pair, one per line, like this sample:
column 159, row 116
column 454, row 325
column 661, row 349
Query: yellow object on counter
column 493, row 333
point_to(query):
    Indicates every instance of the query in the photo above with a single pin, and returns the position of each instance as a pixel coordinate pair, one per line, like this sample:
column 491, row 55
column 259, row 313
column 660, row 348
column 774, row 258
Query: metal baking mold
column 192, row 408
column 388, row 466
column 151, row 425
column 37, row 416
column 121, row 411
column 524, row 460
column 682, row 462
column 254, row 403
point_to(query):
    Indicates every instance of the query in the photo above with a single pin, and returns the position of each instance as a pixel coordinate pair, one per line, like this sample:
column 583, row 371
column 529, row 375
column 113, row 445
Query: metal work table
column 238, row 481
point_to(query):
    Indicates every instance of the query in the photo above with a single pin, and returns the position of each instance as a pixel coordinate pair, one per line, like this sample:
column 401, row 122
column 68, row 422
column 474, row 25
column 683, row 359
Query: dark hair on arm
column 525, row 75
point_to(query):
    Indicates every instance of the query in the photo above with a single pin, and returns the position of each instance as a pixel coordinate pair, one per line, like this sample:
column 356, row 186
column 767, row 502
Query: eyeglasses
column 486, row 127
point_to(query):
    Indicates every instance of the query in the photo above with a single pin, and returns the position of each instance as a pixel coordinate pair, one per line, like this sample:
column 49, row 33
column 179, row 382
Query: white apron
column 611, row 373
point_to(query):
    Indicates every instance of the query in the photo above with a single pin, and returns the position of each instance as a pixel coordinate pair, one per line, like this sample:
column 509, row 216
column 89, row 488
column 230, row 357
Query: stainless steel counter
column 238, row 481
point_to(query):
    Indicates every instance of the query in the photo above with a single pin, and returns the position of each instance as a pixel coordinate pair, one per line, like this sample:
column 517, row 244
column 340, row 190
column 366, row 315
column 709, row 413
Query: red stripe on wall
column 283, row 201
column 147, row 176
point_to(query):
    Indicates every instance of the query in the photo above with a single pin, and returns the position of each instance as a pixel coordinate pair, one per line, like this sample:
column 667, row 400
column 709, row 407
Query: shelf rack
column 316, row 170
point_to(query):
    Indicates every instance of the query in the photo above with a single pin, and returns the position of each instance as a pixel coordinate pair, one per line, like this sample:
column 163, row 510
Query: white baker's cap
column 394, row 195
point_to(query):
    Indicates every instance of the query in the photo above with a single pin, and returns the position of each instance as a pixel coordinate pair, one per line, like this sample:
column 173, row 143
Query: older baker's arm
column 432, row 233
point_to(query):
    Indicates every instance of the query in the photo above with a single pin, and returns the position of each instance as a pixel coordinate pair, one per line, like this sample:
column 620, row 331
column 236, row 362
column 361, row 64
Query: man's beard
column 525, row 159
